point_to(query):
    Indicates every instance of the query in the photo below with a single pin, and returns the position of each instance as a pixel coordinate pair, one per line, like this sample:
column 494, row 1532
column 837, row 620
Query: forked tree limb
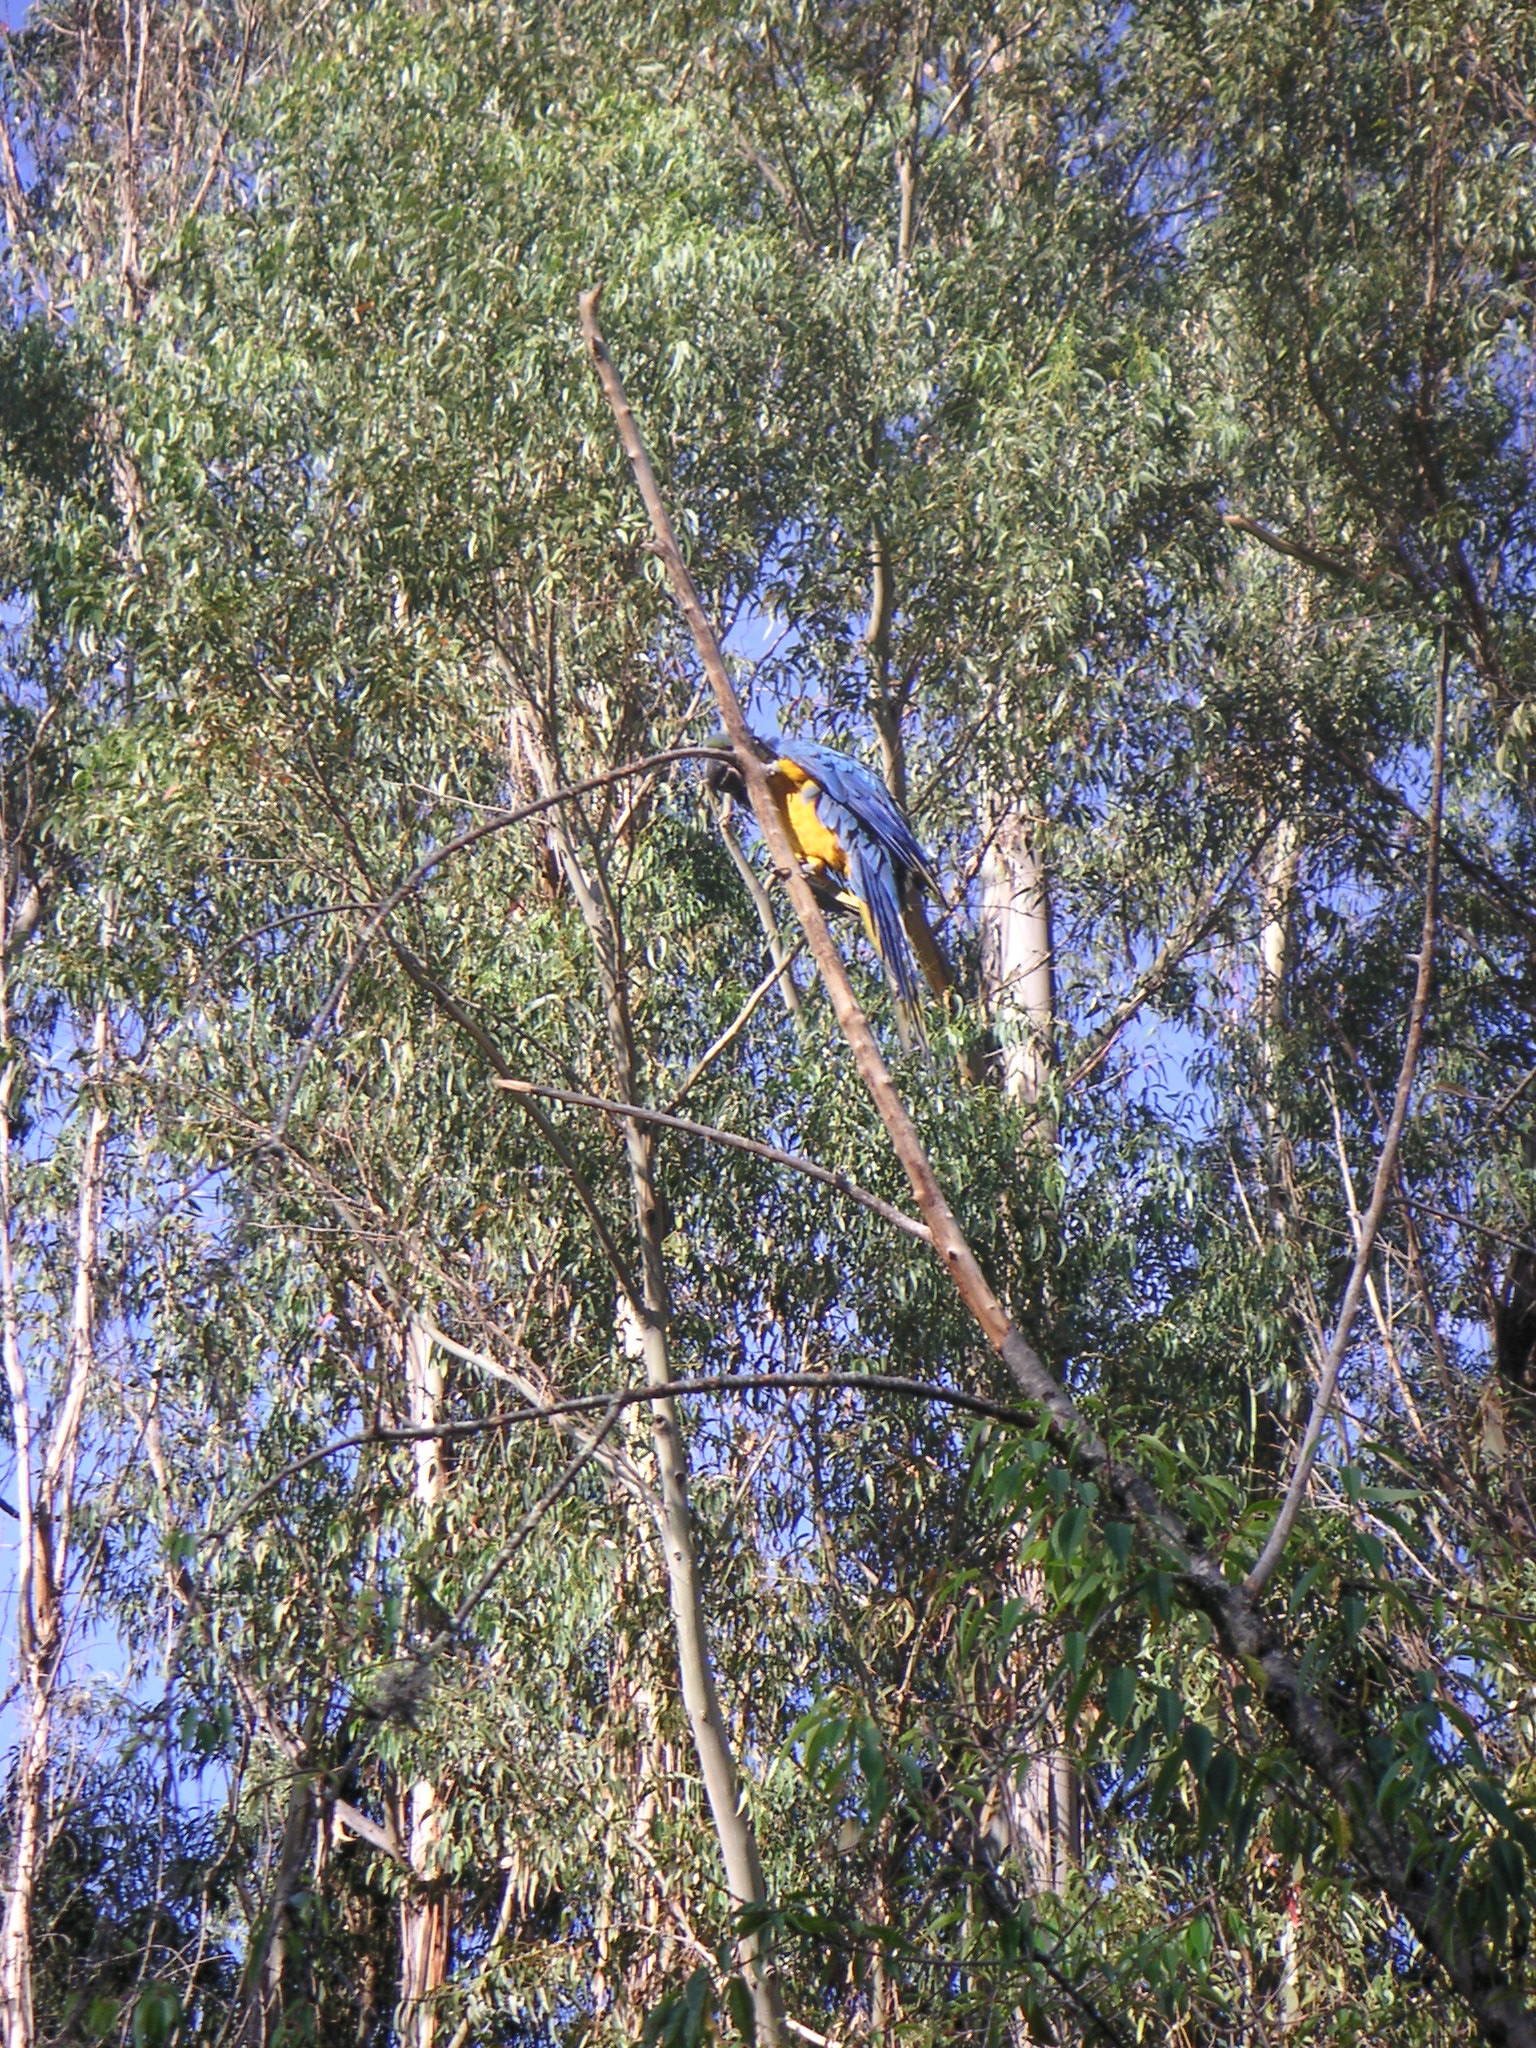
column 1244, row 1634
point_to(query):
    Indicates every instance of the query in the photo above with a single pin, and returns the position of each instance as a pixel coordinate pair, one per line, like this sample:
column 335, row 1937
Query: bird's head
column 723, row 775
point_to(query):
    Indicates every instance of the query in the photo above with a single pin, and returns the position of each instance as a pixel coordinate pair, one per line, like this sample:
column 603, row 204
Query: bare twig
column 1383, row 1325
column 446, row 1001
column 764, row 909
column 738, row 1024
column 555, row 1491
column 614, row 1461
column 831, row 1176
column 383, row 910
column 1195, row 929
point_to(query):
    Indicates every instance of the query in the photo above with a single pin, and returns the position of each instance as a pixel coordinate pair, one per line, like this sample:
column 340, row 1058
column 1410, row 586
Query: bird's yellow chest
column 795, row 794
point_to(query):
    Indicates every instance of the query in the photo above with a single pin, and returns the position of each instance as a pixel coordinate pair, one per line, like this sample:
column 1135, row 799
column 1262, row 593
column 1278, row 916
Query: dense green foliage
column 1170, row 370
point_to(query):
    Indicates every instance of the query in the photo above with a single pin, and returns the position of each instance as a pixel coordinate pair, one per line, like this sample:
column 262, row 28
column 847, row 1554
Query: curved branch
column 1294, row 550
column 628, row 1397
column 831, row 1176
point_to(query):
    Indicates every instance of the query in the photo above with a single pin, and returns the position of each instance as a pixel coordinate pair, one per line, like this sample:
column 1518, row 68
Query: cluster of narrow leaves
column 1101, row 419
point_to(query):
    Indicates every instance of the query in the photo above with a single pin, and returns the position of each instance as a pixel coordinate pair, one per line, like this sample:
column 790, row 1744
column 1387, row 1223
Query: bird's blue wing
column 865, row 796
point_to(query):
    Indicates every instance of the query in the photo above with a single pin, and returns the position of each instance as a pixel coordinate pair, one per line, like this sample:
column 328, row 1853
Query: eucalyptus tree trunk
column 47, row 1452
column 643, row 1315
column 1034, row 1815
column 1278, row 880
column 886, row 703
column 264, row 1968
column 1279, row 876
column 1017, row 961
column 426, row 1907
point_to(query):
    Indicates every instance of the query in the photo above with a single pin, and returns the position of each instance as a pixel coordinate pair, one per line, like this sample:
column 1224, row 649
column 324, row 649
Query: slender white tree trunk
column 44, row 1482
column 21, row 1881
column 1279, row 881
column 1017, row 956
column 16, row 1925
column 426, row 1910
column 1280, row 875
column 1291, row 2014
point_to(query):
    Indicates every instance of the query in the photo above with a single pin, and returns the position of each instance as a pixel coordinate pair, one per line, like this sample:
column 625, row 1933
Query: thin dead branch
column 830, row 1176
column 1386, row 1166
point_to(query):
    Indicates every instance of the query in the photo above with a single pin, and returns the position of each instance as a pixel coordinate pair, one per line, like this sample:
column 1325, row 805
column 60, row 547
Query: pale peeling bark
column 1034, row 1817
column 1278, row 882
column 1291, row 2013
column 643, row 1325
column 1279, row 877
column 16, row 1926
column 426, row 1909
column 1017, row 957
column 886, row 705
column 21, row 1881
column 157, row 96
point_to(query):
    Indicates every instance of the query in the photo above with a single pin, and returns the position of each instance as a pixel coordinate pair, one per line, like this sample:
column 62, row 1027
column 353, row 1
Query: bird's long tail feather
column 882, row 920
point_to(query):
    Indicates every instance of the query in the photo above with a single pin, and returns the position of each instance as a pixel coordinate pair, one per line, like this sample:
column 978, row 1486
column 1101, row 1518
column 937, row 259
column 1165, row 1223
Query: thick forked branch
column 1245, row 1636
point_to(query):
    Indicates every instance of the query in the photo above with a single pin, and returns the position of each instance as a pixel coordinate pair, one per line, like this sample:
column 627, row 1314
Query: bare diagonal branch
column 382, row 911
column 1246, row 1638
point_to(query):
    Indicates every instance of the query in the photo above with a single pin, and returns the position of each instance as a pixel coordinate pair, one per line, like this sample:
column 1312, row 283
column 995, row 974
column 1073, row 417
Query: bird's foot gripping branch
column 1418, row 1876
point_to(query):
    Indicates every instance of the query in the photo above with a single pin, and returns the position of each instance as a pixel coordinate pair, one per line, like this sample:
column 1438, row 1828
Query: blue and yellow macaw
column 849, row 835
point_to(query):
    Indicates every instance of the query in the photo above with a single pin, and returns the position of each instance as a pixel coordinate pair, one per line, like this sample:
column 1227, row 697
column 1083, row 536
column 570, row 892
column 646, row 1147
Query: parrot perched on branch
column 856, row 847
